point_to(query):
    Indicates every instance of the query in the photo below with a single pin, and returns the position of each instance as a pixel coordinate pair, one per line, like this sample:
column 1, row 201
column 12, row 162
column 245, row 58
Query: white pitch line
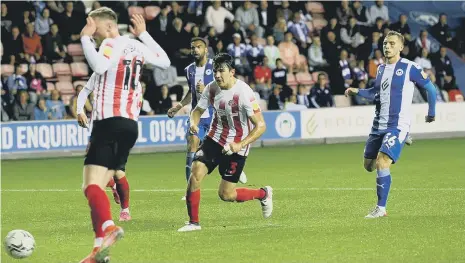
column 276, row 189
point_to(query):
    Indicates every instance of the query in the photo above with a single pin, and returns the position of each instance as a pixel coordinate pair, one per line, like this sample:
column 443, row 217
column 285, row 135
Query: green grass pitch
column 322, row 194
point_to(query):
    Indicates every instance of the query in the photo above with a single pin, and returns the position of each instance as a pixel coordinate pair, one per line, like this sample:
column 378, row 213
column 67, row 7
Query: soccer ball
column 19, row 243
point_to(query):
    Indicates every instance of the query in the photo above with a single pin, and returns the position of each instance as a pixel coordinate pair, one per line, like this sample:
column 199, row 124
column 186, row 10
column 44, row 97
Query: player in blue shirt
column 198, row 74
column 392, row 93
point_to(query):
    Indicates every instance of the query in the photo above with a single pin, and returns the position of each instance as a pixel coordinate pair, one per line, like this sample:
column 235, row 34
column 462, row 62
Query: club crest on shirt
column 208, row 71
column 399, row 72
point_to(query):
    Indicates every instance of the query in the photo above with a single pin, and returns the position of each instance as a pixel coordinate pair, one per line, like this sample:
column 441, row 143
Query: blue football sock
column 383, row 184
column 189, row 159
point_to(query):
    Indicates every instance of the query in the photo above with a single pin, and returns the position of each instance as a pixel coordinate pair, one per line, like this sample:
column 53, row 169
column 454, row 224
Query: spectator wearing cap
column 271, row 52
column 300, row 32
column 238, row 51
column 215, row 16
column 289, row 52
column 248, row 18
column 378, row 10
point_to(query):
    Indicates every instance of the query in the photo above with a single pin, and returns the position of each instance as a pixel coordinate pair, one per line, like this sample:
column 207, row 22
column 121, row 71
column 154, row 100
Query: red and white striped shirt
column 233, row 108
column 117, row 69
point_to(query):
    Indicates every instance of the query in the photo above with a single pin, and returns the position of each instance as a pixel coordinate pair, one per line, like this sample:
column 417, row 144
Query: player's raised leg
column 199, row 171
column 122, row 187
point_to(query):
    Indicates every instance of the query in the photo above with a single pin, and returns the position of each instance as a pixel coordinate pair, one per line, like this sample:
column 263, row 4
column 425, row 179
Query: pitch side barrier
column 45, row 139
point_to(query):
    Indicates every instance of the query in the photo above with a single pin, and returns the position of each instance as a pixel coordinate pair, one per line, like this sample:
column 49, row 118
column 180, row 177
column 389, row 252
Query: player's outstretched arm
column 186, row 100
column 154, row 54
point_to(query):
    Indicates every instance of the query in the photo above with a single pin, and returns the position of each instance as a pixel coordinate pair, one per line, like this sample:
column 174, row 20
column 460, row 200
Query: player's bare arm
column 195, row 118
column 186, row 100
column 259, row 128
column 351, row 92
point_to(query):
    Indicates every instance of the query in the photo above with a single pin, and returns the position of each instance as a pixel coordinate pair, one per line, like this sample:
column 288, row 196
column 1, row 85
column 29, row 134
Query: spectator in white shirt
column 315, row 55
column 423, row 60
column 378, row 10
column 215, row 16
column 271, row 52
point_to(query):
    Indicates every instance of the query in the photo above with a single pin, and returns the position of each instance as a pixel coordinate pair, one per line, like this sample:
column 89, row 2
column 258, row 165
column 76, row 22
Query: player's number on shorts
column 389, row 140
column 233, row 168
column 131, row 78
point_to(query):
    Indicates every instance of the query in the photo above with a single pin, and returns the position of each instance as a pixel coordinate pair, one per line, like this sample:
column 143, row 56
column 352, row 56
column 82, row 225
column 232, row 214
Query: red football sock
column 111, row 183
column 99, row 207
column 193, row 203
column 246, row 194
column 122, row 187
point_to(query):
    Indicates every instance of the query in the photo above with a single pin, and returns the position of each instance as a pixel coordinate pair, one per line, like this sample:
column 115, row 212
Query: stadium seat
column 136, row 10
column 7, row 70
column 79, row 58
column 79, row 69
column 319, row 23
column 66, row 98
column 45, row 69
column 291, row 81
column 64, row 78
column 50, row 86
column 75, row 50
column 315, row 7
column 61, row 69
column 151, row 12
column 304, row 78
column 65, row 87
column 341, row 101
column 24, row 68
column 79, row 82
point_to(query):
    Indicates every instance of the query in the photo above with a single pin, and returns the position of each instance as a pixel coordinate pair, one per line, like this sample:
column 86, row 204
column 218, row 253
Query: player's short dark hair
column 204, row 40
column 222, row 59
column 104, row 13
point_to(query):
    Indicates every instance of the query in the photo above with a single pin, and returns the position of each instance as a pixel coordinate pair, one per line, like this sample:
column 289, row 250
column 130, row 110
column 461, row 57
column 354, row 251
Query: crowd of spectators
column 294, row 54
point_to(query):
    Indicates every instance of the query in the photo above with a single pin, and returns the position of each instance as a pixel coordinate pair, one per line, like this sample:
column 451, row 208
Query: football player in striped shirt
column 392, row 93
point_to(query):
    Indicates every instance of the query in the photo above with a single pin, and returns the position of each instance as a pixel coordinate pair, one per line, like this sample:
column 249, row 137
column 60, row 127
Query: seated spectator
column 359, row 100
column 212, row 37
column 302, row 97
column 449, row 83
column 439, row 96
column 164, row 103
column 195, row 31
column 56, row 106
column 300, row 32
column 292, row 104
column 274, row 101
column 16, row 82
column 73, row 104
column 368, row 49
column 238, row 51
column 179, row 48
column 360, row 13
column 320, row 94
column 271, row 52
column 54, row 50
column 333, row 26
column 41, row 112
column 279, row 74
column 254, row 52
column 351, row 34
column 316, row 60
column 32, row 45
column 265, row 16
column 145, row 109
column 401, row 26
column 379, row 27
column 27, row 18
column 23, row 110
column 443, row 66
column 218, row 48
column 168, row 77
column 289, row 52
column 43, row 22
column 423, row 42
column 423, row 60
column 71, row 23
column 442, row 32
column 374, row 63
column 7, row 19
column 285, row 11
column 248, row 18
column 215, row 16
column 13, row 46
column 407, row 53
column 262, row 76
column 36, row 83
column 228, row 35
column 344, row 13
column 345, row 69
column 279, row 29
column 332, row 48
column 378, row 10
column 359, row 71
